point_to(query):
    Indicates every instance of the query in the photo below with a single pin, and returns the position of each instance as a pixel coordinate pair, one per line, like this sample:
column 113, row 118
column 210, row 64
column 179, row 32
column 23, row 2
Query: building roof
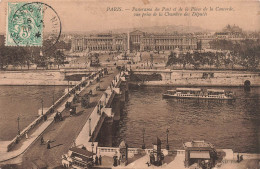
column 216, row 90
column 188, row 89
column 136, row 32
column 200, row 154
column 122, row 144
column 82, row 152
column 198, row 144
column 157, row 141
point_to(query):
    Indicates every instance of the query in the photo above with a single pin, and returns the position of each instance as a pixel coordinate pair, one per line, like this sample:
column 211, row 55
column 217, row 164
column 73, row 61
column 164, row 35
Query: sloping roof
column 122, row 144
column 136, row 32
column 200, row 154
column 82, row 152
column 215, row 90
column 157, row 141
column 198, row 144
column 188, row 89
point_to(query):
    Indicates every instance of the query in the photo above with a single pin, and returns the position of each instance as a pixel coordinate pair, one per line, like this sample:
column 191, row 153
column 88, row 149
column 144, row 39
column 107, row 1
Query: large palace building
column 135, row 41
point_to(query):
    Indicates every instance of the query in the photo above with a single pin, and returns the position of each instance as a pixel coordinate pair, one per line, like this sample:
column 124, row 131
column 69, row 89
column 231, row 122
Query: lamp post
column 143, row 146
column 18, row 119
column 89, row 120
column 167, row 145
column 92, row 145
column 68, row 86
column 53, row 99
column 42, row 105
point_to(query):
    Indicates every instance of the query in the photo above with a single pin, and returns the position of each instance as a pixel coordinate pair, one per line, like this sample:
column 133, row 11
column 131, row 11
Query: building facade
column 100, row 42
column 134, row 41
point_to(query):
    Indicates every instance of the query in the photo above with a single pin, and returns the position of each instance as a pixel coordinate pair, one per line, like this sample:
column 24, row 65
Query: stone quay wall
column 200, row 78
column 40, row 77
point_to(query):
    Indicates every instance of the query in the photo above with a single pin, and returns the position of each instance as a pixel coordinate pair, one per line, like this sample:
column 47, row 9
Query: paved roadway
column 62, row 133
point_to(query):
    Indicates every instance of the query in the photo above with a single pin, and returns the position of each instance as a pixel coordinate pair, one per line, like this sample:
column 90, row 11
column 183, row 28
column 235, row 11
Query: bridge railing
column 96, row 113
column 37, row 121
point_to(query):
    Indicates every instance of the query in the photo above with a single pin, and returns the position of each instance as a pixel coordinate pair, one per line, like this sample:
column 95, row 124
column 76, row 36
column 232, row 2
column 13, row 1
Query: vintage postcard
column 129, row 84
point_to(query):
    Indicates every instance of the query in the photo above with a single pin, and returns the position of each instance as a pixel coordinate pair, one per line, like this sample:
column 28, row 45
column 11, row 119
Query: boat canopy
column 171, row 90
column 188, row 89
column 215, row 90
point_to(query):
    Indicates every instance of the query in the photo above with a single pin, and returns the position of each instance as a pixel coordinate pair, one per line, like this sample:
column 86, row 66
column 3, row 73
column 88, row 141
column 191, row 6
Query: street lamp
column 42, row 105
column 89, row 120
column 53, row 95
column 92, row 145
column 68, row 86
column 18, row 119
column 143, row 146
column 167, row 145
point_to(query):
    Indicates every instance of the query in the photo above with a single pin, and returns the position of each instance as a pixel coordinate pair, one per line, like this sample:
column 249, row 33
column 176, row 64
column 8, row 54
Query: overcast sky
column 89, row 15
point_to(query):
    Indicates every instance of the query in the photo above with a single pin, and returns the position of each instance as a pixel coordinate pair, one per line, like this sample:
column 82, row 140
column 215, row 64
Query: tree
column 250, row 58
column 172, row 59
column 59, row 58
column 197, row 60
column 4, row 59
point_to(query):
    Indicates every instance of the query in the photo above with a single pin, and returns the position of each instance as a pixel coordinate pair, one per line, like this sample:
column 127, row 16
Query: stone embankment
column 44, row 77
column 194, row 78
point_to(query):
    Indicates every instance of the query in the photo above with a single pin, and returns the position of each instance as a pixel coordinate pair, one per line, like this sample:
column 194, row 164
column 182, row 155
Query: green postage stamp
column 24, row 24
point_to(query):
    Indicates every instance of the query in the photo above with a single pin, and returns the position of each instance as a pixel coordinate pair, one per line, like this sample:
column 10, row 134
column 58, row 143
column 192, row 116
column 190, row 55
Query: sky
column 93, row 15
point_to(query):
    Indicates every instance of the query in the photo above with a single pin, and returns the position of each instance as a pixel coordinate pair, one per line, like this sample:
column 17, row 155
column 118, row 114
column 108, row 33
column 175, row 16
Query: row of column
column 80, row 45
column 160, row 44
column 174, row 41
column 136, row 38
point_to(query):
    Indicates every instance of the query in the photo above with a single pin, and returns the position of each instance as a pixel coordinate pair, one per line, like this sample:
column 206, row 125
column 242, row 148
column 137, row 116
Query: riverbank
column 41, row 78
column 153, row 77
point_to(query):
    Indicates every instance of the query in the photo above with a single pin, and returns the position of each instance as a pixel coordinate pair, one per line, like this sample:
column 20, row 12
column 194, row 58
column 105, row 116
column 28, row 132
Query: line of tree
column 245, row 53
column 26, row 56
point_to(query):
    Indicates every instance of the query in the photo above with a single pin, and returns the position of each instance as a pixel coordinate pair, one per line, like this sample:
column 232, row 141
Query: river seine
column 226, row 124
column 23, row 101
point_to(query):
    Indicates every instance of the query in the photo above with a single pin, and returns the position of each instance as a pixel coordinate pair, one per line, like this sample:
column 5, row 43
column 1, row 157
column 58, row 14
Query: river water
column 226, row 124
column 23, row 101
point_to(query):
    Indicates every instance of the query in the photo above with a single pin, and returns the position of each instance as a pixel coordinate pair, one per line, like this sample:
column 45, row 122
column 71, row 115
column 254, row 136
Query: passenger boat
column 197, row 93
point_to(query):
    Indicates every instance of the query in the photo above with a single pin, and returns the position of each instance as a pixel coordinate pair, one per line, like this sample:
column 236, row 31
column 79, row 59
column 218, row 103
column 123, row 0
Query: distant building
column 230, row 33
column 141, row 41
column 100, row 42
column 134, row 41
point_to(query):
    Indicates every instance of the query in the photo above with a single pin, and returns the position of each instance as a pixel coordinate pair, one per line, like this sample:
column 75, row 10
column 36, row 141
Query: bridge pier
column 116, row 108
column 124, row 92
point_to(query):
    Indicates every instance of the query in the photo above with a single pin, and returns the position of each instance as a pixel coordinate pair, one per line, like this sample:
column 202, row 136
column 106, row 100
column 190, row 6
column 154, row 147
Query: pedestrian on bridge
column 45, row 117
column 60, row 116
column 96, row 160
column 26, row 135
column 48, row 144
column 100, row 160
column 42, row 140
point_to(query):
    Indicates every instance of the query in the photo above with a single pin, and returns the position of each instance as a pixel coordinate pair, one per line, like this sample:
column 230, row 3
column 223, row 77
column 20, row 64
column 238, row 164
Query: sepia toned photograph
column 129, row 84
